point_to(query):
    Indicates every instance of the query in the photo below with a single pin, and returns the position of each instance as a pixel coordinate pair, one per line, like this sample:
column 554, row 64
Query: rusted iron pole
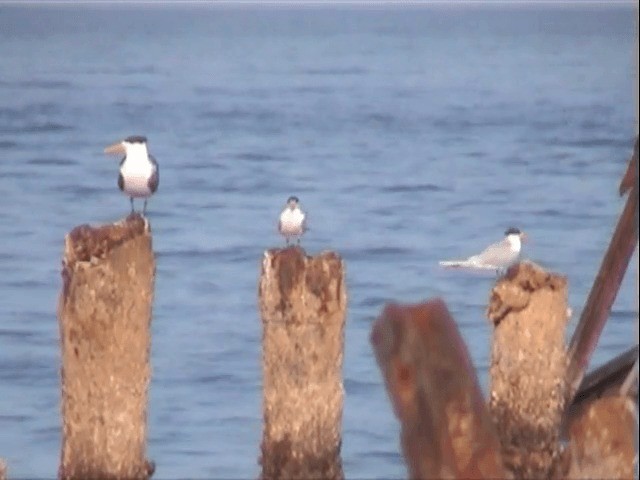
column 104, row 315
column 528, row 308
column 631, row 173
column 446, row 429
column 605, row 288
column 303, row 305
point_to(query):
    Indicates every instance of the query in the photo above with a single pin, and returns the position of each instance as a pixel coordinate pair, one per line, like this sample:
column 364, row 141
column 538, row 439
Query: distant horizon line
column 327, row 3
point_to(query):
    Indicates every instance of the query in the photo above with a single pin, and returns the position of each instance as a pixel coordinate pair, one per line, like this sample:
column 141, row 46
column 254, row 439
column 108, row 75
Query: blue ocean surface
column 410, row 134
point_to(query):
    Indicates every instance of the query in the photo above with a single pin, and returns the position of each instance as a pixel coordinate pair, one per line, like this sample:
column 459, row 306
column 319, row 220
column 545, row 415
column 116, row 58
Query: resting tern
column 139, row 172
column 293, row 221
column 498, row 256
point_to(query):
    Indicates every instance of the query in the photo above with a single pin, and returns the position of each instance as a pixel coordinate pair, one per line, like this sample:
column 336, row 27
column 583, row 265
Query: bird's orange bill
column 116, row 148
column 524, row 237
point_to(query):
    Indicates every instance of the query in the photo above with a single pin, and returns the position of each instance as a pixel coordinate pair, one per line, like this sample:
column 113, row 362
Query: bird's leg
column 298, row 241
column 287, row 240
column 144, row 208
column 131, row 200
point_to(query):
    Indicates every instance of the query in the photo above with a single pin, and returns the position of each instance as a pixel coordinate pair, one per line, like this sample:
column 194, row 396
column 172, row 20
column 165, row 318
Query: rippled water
column 410, row 135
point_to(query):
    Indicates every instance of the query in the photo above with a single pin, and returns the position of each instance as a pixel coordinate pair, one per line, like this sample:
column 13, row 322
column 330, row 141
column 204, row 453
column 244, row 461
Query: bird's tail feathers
column 453, row 263
column 470, row 262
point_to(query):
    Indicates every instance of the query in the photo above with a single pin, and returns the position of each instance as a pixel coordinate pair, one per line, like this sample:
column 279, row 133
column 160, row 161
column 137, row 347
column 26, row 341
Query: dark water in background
column 410, row 135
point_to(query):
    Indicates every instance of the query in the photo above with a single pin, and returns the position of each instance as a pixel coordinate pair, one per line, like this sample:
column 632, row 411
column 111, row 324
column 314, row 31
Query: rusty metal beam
column 603, row 293
column 631, row 175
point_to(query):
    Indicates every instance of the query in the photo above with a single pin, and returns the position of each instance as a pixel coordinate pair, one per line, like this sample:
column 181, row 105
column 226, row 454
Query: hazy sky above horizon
column 451, row 3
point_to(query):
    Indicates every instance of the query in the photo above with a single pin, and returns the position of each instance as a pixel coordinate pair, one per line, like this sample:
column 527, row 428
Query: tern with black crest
column 498, row 256
column 293, row 221
column 139, row 173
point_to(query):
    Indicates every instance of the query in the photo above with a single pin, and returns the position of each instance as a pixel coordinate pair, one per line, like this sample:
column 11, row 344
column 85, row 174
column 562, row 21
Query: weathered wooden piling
column 447, row 431
column 601, row 423
column 602, row 440
column 528, row 308
column 104, row 315
column 302, row 305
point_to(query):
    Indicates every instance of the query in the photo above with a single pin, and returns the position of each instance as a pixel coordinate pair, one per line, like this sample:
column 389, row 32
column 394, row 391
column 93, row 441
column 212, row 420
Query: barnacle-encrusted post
column 303, row 303
column 104, row 315
column 528, row 309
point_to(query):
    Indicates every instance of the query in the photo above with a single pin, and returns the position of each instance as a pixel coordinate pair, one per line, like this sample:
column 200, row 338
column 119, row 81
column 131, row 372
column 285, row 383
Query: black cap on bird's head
column 515, row 231
column 136, row 139
column 293, row 199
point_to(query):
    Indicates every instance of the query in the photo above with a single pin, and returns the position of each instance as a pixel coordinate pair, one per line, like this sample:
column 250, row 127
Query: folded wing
column 469, row 263
column 494, row 257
